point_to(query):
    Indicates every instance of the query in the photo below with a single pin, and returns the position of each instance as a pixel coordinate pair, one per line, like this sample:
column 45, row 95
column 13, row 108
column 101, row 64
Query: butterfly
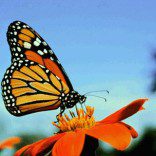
column 35, row 81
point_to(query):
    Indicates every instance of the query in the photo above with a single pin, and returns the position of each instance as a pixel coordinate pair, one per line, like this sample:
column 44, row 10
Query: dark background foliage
column 153, row 84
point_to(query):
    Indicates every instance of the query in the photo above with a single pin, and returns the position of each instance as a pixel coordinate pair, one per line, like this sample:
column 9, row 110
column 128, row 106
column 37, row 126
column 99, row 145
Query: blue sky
column 102, row 44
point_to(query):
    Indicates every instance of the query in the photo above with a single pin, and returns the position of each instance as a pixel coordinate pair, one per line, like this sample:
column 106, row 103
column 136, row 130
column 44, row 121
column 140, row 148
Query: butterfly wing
column 29, row 87
column 35, row 80
column 25, row 43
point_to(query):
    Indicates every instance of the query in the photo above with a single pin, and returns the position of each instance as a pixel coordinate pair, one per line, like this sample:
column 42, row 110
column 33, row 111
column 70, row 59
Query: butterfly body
column 71, row 99
column 35, row 81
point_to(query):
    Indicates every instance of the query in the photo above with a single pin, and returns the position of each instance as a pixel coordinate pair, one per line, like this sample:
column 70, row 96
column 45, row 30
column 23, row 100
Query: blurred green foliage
column 26, row 139
column 29, row 139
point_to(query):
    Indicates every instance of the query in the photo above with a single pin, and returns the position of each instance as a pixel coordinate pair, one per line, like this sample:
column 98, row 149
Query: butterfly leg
column 62, row 109
column 76, row 108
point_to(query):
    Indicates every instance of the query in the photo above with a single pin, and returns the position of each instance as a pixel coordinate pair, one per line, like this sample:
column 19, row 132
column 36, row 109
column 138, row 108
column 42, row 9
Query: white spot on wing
column 45, row 51
column 44, row 43
column 16, row 54
column 38, row 40
column 18, row 27
column 19, row 49
column 15, row 32
column 36, row 43
column 27, row 45
column 51, row 58
column 51, row 51
column 40, row 52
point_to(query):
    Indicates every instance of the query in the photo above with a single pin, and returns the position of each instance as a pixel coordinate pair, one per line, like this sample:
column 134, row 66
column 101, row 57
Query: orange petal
column 20, row 151
column 131, row 129
column 115, row 134
column 10, row 142
column 39, row 147
column 70, row 144
column 45, row 145
column 125, row 112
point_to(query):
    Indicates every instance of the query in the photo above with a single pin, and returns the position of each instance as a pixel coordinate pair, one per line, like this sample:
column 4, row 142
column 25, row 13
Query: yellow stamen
column 82, row 119
column 67, row 117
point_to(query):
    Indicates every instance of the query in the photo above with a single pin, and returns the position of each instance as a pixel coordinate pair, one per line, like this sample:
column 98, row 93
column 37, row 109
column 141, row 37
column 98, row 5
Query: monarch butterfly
column 35, row 81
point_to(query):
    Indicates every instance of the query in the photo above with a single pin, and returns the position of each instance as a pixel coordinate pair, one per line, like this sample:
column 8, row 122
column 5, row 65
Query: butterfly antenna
column 98, row 97
column 97, row 91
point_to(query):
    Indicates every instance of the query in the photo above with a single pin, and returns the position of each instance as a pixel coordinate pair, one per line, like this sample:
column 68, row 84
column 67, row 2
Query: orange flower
column 73, row 131
column 9, row 143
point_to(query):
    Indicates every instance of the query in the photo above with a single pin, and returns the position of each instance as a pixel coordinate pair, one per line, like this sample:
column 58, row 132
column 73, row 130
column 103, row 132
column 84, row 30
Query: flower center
column 82, row 119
